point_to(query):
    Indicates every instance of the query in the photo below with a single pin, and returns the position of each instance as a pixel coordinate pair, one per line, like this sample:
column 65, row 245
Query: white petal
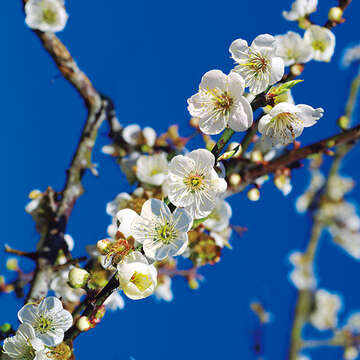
column 125, row 218
column 239, row 49
column 213, row 79
column 242, row 118
column 277, row 70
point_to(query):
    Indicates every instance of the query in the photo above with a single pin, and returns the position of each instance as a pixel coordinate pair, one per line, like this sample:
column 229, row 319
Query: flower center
column 284, row 121
column 155, row 171
column 257, row 62
column 223, row 102
column 165, row 233
column 43, row 324
column 319, row 45
column 141, row 281
column 49, row 16
column 194, row 182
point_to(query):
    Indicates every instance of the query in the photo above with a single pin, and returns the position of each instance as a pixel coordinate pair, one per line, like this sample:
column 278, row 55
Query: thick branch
column 249, row 175
column 52, row 233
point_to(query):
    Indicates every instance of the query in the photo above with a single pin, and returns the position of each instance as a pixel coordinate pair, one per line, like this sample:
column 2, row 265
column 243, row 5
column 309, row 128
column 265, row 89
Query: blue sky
column 149, row 58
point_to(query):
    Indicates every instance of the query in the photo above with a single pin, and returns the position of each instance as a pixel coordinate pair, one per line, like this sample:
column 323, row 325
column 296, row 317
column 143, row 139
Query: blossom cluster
column 41, row 332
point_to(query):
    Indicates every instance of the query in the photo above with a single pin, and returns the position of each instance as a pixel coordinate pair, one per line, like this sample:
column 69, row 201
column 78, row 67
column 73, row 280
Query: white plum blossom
column 137, row 278
column 285, row 122
column 220, row 103
column 193, row 183
column 293, row 49
column 24, row 345
column 258, row 63
column 327, row 307
column 152, row 169
column 351, row 55
column 46, row 15
column 133, row 135
column 163, row 290
column 322, row 42
column 49, row 320
column 128, row 166
column 222, row 238
column 114, row 302
column 302, row 276
column 219, row 218
column 161, row 232
column 300, row 9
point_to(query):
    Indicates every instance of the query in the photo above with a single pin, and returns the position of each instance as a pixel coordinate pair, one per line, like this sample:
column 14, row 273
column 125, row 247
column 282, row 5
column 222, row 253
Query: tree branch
column 52, row 232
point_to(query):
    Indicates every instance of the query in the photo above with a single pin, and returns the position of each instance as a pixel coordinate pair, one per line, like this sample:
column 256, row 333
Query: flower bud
column 351, row 353
column 253, row 194
column 297, row 69
column 78, row 278
column 304, row 23
column 103, row 246
column 83, row 323
column 343, row 122
column 12, row 264
column 173, row 132
column 194, row 122
column 280, row 181
column 35, row 194
column 256, row 156
column 335, row 14
column 193, row 284
column 234, row 180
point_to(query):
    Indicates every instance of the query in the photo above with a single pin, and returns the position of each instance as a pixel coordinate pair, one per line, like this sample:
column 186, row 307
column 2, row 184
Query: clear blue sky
column 149, row 57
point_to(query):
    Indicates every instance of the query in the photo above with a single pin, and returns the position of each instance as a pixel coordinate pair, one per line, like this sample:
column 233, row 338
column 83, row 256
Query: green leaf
column 283, row 88
column 197, row 222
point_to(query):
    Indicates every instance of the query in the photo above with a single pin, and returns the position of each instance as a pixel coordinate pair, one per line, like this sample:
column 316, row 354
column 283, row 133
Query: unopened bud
column 103, row 246
column 35, row 194
column 256, row 156
column 173, row 132
column 12, row 264
column 194, row 122
column 335, row 14
column 343, row 122
column 108, row 150
column 297, row 69
column 78, row 278
column 253, row 194
column 304, row 23
column 280, row 181
column 351, row 353
column 83, row 323
column 234, row 180
column 193, row 283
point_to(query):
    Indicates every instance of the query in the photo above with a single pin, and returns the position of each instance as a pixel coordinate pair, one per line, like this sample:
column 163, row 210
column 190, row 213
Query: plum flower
column 300, row 9
column 322, row 42
column 25, row 345
column 133, row 135
column 45, row 15
column 161, row 232
column 258, row 63
column 293, row 49
column 193, row 183
column 48, row 319
column 327, row 306
column 285, row 122
column 152, row 169
column 220, row 103
column 219, row 218
column 163, row 290
column 137, row 278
